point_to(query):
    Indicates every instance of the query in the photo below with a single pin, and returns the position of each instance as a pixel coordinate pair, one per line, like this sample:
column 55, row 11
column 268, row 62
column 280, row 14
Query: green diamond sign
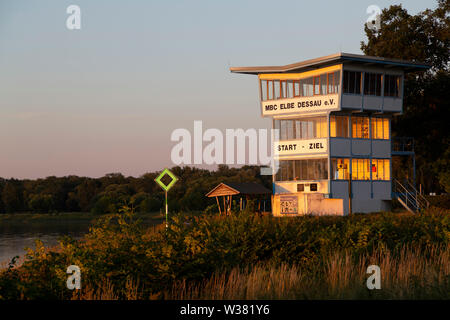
column 166, row 186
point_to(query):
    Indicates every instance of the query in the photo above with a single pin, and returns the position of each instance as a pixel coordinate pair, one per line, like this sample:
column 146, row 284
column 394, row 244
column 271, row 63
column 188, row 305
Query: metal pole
column 167, row 211
column 350, row 193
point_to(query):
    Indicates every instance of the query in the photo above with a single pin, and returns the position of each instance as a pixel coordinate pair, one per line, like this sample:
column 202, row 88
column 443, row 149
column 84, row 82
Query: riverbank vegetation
column 243, row 256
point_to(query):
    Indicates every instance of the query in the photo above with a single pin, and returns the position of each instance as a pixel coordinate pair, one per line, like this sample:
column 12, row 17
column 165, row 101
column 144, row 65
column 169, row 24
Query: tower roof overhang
column 337, row 58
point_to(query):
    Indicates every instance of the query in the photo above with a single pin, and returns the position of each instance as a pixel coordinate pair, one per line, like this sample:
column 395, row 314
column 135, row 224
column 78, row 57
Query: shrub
column 118, row 249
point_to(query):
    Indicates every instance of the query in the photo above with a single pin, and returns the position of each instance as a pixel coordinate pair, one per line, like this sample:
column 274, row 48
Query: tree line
column 424, row 37
column 110, row 192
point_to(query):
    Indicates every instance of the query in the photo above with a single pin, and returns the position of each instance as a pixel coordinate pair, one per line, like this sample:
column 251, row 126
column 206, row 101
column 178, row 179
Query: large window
column 339, row 126
column 360, row 127
column 372, row 84
column 305, row 128
column 391, row 86
column 297, row 170
column 380, row 128
column 360, row 169
column 322, row 84
column 352, row 82
column 340, row 168
column 381, row 169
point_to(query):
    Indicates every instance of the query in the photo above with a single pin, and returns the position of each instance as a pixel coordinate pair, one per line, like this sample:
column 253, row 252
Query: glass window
column 283, row 89
column 263, row 84
column 270, row 90
column 316, row 85
column 307, row 87
column 386, row 134
column 277, row 89
column 305, row 128
column 380, row 169
column 337, row 79
column 387, row 169
column 297, row 91
column 289, row 89
column 340, row 168
column 380, row 128
column 372, row 84
column 297, row 170
column 360, row 169
column 352, row 82
column 391, row 85
column 330, row 82
column 323, row 83
column 339, row 126
column 360, row 127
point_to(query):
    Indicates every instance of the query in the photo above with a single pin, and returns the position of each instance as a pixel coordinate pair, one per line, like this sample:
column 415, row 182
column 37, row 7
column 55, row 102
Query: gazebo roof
column 233, row 188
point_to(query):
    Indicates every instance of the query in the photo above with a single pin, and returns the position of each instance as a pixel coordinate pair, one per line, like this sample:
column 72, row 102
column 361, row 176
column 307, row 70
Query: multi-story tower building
column 334, row 119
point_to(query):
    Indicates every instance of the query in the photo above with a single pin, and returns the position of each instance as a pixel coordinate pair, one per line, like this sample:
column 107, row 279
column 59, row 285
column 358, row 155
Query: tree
column 41, row 203
column 424, row 37
column 12, row 196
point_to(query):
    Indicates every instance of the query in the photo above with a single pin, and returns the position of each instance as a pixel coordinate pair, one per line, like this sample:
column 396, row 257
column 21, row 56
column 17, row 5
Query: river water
column 16, row 235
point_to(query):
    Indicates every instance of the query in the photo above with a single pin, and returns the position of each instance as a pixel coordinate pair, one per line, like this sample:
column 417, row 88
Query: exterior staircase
column 408, row 196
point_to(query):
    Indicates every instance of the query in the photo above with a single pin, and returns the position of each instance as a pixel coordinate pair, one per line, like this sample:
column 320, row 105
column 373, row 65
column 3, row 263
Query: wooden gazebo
column 228, row 190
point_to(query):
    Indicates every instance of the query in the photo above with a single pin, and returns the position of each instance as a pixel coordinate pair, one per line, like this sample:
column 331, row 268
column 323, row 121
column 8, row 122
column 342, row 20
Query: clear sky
column 106, row 98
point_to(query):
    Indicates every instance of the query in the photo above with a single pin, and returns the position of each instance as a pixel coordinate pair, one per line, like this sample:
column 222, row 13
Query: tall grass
column 243, row 257
column 408, row 273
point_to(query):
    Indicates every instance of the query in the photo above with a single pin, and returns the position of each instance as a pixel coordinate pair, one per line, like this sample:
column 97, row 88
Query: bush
column 441, row 201
column 118, row 249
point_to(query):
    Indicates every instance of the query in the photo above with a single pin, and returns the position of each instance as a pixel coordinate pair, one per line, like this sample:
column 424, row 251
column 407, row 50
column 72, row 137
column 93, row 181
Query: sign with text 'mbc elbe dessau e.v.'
column 300, row 105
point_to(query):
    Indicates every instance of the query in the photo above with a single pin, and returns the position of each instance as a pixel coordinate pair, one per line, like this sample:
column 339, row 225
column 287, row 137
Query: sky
column 107, row 97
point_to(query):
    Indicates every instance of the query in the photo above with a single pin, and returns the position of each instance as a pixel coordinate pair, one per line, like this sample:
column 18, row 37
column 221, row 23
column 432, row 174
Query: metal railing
column 420, row 199
column 409, row 197
column 402, row 144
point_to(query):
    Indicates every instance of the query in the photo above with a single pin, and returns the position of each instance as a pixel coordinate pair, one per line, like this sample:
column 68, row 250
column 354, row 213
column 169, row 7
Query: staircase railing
column 409, row 197
column 421, row 200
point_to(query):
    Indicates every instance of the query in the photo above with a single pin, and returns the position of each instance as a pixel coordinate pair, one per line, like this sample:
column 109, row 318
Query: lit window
column 360, row 127
column 381, row 169
column 340, row 168
column 339, row 126
column 322, row 84
column 360, row 169
column 380, row 128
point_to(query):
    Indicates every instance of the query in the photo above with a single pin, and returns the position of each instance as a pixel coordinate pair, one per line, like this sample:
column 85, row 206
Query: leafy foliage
column 424, row 37
column 194, row 247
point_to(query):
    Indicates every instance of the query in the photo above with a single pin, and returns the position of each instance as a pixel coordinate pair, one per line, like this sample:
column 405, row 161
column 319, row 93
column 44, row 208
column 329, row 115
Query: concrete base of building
column 296, row 204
